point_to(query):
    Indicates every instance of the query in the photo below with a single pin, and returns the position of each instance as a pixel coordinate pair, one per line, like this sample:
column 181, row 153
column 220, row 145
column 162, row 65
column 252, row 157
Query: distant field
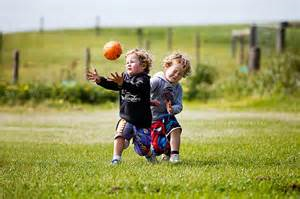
column 50, row 52
column 224, row 154
column 43, row 56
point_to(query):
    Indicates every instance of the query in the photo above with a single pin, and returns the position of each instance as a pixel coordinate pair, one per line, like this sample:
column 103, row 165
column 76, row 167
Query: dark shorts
column 160, row 133
column 141, row 136
column 170, row 123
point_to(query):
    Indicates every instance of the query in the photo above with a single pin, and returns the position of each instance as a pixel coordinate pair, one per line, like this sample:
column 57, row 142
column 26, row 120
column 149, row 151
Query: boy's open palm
column 93, row 76
column 118, row 79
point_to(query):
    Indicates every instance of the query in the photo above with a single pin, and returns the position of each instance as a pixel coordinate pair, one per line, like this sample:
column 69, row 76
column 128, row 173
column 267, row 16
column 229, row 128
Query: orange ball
column 112, row 50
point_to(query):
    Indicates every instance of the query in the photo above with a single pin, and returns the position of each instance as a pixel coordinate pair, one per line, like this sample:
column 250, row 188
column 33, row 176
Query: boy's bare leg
column 119, row 145
column 175, row 140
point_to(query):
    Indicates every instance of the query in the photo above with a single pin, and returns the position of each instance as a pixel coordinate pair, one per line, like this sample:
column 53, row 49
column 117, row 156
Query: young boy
column 166, row 101
column 135, row 112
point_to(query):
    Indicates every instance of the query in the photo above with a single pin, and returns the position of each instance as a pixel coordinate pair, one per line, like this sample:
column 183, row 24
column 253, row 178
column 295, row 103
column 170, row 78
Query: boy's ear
column 144, row 66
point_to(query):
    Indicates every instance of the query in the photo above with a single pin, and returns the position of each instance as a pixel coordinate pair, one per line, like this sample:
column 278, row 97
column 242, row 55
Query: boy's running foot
column 115, row 162
column 165, row 158
column 174, row 158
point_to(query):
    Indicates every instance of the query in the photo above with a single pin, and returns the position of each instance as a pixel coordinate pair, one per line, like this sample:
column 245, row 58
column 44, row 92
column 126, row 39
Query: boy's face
column 174, row 73
column 133, row 65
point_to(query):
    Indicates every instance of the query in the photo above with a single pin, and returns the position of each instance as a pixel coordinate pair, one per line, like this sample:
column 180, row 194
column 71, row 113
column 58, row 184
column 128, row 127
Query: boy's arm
column 177, row 106
column 105, row 83
column 154, row 82
column 101, row 81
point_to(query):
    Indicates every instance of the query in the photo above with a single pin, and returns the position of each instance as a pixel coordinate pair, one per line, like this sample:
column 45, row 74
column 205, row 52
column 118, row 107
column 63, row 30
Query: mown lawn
column 66, row 154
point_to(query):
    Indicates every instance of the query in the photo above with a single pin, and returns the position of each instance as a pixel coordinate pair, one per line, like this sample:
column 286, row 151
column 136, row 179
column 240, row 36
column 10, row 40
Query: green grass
column 237, row 148
column 267, row 104
column 224, row 154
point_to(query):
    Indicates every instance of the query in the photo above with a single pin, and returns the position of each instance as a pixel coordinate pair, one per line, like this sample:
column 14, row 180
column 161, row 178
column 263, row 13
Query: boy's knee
column 175, row 132
column 118, row 135
column 126, row 142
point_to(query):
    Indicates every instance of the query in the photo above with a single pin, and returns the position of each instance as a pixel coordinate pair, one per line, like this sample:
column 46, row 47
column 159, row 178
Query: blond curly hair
column 144, row 58
column 178, row 58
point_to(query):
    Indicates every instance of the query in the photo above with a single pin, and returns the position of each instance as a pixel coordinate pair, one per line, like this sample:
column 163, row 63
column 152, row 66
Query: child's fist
column 169, row 106
column 154, row 103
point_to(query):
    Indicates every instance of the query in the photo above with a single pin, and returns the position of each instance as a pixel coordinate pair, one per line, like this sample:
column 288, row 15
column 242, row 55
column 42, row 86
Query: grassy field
column 63, row 154
column 245, row 147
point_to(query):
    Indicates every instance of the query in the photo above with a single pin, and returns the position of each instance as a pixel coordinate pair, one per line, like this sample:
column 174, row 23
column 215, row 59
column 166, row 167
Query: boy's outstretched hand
column 93, row 76
column 118, row 79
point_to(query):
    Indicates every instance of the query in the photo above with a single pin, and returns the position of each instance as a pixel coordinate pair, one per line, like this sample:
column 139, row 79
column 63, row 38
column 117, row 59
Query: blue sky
column 20, row 15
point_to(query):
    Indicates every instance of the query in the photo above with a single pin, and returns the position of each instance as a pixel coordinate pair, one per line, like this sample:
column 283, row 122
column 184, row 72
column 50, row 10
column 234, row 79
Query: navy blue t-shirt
column 134, row 98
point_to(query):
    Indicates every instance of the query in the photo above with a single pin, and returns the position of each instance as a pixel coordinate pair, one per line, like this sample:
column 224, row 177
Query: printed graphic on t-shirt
column 130, row 97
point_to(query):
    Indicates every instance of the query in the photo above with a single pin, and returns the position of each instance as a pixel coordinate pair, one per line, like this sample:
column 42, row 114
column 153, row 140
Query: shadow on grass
column 229, row 163
column 197, row 163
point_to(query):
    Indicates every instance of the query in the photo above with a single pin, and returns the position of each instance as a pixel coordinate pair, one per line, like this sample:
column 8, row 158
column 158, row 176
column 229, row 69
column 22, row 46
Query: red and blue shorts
column 160, row 133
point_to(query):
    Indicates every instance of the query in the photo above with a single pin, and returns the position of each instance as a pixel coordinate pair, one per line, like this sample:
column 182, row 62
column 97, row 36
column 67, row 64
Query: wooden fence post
column 97, row 26
column 16, row 63
column 197, row 46
column 242, row 49
column 254, row 58
column 280, row 37
column 170, row 39
column 87, row 60
column 253, row 36
column 139, row 33
column 233, row 46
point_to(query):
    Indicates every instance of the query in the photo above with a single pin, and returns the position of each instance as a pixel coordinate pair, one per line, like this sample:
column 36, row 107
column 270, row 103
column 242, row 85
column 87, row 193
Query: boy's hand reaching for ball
column 93, row 76
column 118, row 79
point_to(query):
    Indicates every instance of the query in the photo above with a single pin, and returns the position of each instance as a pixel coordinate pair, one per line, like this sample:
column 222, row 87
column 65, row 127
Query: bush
column 200, row 83
column 281, row 76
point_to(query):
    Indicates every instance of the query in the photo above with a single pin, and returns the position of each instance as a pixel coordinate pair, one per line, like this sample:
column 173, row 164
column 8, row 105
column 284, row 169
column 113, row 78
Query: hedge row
column 67, row 91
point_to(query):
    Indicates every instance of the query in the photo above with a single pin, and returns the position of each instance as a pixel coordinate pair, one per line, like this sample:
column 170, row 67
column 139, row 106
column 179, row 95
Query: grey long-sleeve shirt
column 160, row 88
